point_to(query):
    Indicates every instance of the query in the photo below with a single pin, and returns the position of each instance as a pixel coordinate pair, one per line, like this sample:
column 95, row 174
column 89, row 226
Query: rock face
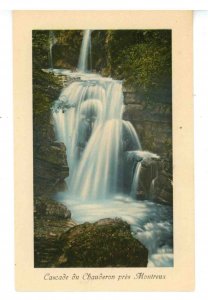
column 149, row 170
column 106, row 243
column 50, row 167
column 51, row 219
column 152, row 121
column 162, row 189
column 155, row 184
column 153, row 124
column 50, row 163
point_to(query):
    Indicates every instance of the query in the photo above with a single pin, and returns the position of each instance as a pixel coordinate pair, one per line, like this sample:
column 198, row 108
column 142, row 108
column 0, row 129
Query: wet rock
column 149, row 171
column 162, row 189
column 154, row 179
column 155, row 183
column 106, row 243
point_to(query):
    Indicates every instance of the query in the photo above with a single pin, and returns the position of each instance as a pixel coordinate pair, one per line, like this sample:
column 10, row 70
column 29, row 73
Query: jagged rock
column 106, row 243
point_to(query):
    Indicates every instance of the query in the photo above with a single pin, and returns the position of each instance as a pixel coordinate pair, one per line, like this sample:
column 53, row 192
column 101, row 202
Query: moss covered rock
column 106, row 243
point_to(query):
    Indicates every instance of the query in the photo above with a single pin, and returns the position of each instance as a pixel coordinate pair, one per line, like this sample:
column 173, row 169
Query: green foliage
column 40, row 48
column 67, row 48
column 46, row 89
column 141, row 58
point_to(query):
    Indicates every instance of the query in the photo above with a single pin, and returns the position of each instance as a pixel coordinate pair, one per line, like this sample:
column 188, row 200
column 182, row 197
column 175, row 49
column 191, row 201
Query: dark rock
column 149, row 171
column 54, row 154
column 51, row 209
column 50, row 167
column 152, row 121
column 162, row 189
column 51, row 219
column 50, row 162
column 155, row 176
column 106, row 243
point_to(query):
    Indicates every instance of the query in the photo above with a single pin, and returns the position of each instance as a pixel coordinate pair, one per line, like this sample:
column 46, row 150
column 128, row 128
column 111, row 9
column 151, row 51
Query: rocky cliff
column 50, row 163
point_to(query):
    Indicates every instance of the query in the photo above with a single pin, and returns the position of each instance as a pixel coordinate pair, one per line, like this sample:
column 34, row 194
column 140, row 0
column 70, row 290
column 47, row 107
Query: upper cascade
column 84, row 52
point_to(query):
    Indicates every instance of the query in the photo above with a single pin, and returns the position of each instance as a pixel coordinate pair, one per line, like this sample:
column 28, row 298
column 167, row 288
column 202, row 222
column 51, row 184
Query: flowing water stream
column 88, row 120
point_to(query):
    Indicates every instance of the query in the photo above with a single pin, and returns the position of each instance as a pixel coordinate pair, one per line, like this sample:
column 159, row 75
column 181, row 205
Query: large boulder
column 106, row 243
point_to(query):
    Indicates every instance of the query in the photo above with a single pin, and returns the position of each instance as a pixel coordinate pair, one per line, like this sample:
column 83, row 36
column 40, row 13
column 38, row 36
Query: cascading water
column 135, row 181
column 88, row 119
column 52, row 41
column 85, row 48
column 101, row 146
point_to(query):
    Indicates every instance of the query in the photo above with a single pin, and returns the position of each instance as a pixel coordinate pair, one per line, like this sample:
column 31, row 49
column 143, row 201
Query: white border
column 201, row 147
column 201, row 171
column 103, row 5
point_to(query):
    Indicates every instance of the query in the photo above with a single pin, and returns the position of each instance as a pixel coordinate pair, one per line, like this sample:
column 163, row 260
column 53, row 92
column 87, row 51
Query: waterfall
column 88, row 120
column 85, row 47
column 135, row 181
column 131, row 140
column 152, row 188
column 52, row 41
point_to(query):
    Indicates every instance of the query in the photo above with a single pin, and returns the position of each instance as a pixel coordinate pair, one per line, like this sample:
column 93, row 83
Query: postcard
column 103, row 121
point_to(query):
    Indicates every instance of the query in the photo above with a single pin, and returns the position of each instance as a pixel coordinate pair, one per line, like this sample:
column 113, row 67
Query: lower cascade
column 88, row 120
